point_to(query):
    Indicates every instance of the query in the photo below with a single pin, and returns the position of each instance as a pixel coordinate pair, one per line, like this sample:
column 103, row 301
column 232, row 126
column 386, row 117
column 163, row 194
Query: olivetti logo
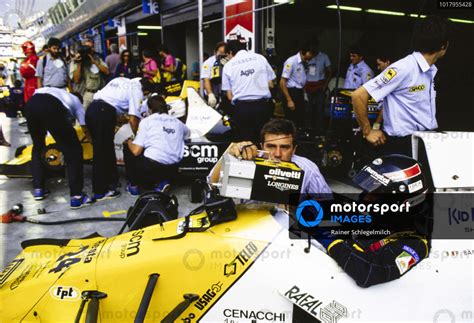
column 287, row 174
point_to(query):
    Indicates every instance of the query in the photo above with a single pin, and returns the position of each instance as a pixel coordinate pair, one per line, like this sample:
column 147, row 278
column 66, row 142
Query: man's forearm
column 76, row 76
column 134, row 149
column 39, row 83
column 134, row 121
column 284, row 89
column 360, row 100
column 103, row 69
column 214, row 178
column 229, row 95
column 208, row 86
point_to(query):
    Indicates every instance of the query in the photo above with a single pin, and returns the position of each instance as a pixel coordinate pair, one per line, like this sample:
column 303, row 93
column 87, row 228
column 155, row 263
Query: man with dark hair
column 407, row 90
column 278, row 138
column 211, row 73
column 88, row 71
column 358, row 72
column 292, row 82
column 120, row 96
column 51, row 70
column 247, row 77
column 54, row 110
column 151, row 158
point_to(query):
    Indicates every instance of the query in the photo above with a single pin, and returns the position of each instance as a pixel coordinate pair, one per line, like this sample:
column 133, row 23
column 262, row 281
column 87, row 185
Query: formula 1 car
column 227, row 263
column 220, row 263
column 209, row 140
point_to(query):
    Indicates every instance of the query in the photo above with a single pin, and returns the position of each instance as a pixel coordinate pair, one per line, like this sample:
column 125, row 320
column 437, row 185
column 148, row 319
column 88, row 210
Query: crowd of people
column 236, row 81
column 98, row 94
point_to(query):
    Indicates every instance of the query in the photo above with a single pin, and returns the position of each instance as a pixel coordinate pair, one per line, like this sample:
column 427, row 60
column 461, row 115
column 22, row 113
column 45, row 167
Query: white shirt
column 162, row 136
column 207, row 66
column 409, row 97
column 317, row 67
column 294, row 72
column 124, row 94
column 69, row 101
column 247, row 75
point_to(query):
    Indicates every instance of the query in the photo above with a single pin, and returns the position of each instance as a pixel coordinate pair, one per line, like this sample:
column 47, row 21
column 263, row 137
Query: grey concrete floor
column 18, row 190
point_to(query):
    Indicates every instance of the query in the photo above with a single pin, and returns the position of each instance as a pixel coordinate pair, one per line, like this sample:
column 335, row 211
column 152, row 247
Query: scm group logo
column 310, row 213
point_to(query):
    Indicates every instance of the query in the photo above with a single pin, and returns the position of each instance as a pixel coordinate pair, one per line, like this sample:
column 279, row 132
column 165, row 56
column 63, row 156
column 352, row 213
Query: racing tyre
column 52, row 158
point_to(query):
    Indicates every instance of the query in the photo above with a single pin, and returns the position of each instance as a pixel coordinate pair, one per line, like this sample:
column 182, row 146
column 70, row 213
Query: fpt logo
column 66, row 293
column 307, row 209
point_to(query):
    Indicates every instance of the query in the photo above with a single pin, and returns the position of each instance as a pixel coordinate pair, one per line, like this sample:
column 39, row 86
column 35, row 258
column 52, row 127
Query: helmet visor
column 370, row 180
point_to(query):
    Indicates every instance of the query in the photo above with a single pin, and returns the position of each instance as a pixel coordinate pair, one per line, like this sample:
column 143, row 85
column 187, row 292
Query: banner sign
column 241, row 27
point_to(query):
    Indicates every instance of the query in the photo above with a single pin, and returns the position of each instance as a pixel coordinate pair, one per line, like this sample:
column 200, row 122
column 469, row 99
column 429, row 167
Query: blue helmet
column 392, row 174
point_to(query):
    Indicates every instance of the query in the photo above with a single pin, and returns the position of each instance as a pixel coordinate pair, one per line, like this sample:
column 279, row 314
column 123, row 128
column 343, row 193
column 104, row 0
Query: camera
column 84, row 52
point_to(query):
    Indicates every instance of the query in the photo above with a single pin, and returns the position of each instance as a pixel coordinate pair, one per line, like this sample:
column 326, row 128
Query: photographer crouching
column 88, row 71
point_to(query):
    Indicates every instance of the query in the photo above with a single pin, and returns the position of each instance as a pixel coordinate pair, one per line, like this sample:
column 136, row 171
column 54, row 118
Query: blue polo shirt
column 317, row 67
column 357, row 75
column 409, row 98
column 294, row 72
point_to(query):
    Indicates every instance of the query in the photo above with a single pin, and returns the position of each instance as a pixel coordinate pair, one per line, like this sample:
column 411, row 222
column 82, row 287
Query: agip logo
column 305, row 210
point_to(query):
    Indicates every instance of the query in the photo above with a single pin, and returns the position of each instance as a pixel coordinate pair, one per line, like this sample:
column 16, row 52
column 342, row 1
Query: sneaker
column 133, row 190
column 79, row 201
column 40, row 194
column 107, row 196
column 163, row 186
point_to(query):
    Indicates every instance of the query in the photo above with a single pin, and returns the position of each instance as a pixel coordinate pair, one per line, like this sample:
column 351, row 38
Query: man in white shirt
column 247, row 78
column 120, row 96
column 211, row 74
column 292, row 82
column 54, row 110
column 151, row 158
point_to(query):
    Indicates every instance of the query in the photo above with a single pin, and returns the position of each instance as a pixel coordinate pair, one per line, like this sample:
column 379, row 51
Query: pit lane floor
column 18, row 190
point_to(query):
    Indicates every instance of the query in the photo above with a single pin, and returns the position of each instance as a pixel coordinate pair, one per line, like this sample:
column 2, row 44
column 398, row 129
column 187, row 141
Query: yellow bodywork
column 202, row 263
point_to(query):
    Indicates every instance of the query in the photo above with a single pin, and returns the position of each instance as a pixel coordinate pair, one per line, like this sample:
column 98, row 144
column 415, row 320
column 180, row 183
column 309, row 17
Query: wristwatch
column 376, row 126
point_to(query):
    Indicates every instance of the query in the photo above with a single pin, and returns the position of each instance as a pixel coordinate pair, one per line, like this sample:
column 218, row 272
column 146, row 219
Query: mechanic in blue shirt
column 151, row 158
column 407, row 90
column 358, row 72
column 247, row 77
column 383, row 61
column 119, row 97
column 292, row 82
column 318, row 76
column 54, row 110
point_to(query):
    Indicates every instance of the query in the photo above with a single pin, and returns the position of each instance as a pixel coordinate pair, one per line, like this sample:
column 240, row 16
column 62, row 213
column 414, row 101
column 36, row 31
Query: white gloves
column 211, row 100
